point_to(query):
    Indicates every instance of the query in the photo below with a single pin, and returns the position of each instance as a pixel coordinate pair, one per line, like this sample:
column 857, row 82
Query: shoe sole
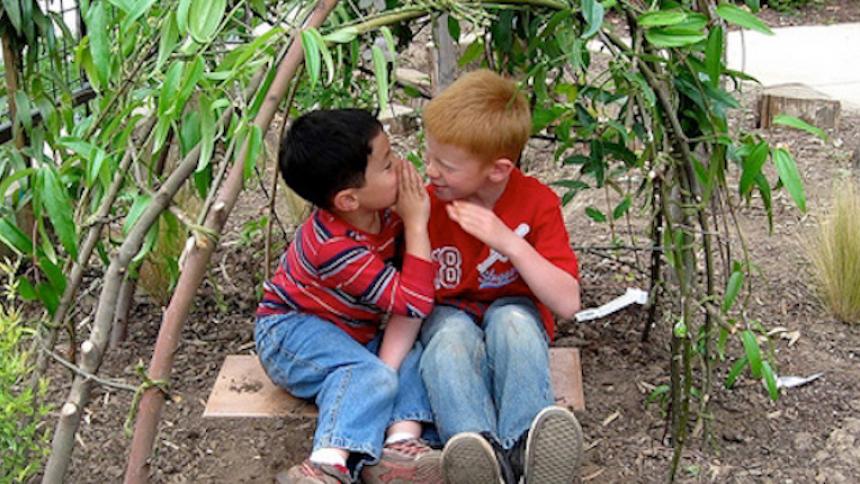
column 469, row 459
column 429, row 469
column 554, row 448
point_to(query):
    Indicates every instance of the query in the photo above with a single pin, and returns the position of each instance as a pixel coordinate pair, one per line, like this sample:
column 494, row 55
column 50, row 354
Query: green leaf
column 592, row 12
column 790, row 176
column 666, row 37
column 380, row 68
column 742, row 18
column 472, row 52
column 12, row 10
column 95, row 166
column 656, row 392
column 60, row 209
column 13, row 238
column 204, row 17
column 752, row 351
column 342, row 36
column 661, row 18
column 454, row 28
column 770, row 380
column 570, row 184
column 167, row 99
column 752, row 165
column 182, row 15
column 98, row 31
column 207, row 133
column 255, row 146
column 26, row 289
column 312, row 56
column 133, row 12
column 797, row 123
column 191, row 76
column 736, row 282
column 49, row 297
column 9, row 180
column 141, row 201
column 736, row 370
column 25, row 110
column 714, row 55
column 53, row 273
column 621, row 208
column 169, row 39
column 595, row 214
column 326, row 54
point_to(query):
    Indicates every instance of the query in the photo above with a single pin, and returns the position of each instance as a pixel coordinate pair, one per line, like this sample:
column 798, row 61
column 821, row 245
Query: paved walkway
column 824, row 57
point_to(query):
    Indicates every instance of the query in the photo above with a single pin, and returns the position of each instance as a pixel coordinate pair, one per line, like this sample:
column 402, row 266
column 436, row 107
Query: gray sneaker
column 553, row 448
column 468, row 458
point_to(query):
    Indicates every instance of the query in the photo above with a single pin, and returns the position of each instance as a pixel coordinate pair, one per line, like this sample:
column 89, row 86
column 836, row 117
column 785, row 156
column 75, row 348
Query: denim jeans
column 493, row 377
column 357, row 395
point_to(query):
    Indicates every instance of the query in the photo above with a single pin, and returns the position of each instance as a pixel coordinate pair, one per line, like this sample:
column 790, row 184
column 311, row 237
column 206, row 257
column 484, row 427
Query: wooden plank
column 243, row 389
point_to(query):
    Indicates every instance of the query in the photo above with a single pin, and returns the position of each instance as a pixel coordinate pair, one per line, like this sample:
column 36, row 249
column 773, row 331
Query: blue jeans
column 357, row 395
column 493, row 377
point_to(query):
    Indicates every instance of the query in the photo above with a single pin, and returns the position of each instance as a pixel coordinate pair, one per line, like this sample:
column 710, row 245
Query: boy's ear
column 345, row 200
column 500, row 170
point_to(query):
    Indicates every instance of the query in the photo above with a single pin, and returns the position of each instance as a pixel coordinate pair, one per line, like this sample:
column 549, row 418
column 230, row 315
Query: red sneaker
column 406, row 461
column 312, row 473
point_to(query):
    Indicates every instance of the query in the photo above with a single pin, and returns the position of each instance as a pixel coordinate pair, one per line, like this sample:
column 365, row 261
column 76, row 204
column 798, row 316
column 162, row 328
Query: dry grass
column 834, row 251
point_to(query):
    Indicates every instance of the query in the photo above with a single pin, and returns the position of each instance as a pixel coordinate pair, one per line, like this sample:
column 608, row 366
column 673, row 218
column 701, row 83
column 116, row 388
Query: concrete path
column 825, row 57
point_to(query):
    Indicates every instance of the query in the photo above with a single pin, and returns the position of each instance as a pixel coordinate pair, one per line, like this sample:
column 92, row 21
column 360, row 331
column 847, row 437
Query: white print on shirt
column 450, row 267
column 522, row 230
column 491, row 280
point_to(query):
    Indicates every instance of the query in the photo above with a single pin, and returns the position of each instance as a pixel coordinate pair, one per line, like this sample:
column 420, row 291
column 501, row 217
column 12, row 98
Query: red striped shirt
column 345, row 275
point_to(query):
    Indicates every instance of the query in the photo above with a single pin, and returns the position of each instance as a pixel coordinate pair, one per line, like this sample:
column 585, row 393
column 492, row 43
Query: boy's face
column 454, row 172
column 380, row 177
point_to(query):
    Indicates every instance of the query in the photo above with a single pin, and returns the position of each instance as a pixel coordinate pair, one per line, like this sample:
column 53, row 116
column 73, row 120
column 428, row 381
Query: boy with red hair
column 504, row 266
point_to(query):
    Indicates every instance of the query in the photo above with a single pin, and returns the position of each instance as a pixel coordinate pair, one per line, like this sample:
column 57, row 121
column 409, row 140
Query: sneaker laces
column 508, row 475
column 517, row 455
column 312, row 469
column 410, row 447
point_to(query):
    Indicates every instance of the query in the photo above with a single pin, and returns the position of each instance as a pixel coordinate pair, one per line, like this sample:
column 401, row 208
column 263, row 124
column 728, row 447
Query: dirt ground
column 811, row 434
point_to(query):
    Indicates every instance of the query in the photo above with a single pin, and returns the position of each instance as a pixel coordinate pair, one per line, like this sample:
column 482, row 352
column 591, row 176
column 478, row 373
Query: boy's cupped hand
column 483, row 224
column 413, row 202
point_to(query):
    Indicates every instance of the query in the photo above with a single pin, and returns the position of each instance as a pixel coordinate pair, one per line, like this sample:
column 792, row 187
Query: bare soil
column 811, row 434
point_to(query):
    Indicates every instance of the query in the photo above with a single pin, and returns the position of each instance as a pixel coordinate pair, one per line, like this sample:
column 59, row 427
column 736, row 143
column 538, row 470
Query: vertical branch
column 10, row 61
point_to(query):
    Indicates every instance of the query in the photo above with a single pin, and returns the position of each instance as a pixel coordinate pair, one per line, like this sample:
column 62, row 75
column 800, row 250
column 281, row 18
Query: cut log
column 800, row 101
column 243, row 389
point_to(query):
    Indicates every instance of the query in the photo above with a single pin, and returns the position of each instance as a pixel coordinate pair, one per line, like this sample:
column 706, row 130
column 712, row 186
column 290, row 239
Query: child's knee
column 380, row 378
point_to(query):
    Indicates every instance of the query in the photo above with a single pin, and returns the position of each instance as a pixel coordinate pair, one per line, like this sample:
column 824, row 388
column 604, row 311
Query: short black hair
column 326, row 151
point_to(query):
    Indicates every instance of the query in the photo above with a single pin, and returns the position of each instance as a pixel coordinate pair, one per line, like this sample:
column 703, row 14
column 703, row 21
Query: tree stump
column 800, row 101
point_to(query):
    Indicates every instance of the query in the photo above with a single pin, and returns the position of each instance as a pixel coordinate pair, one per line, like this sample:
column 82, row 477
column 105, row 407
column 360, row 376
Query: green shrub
column 23, row 436
column 835, row 254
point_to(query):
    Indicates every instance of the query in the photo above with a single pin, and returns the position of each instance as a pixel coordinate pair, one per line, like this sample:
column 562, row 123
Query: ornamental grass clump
column 834, row 251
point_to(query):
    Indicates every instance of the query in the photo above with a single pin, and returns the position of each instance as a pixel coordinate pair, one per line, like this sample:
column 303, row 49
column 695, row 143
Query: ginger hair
column 483, row 113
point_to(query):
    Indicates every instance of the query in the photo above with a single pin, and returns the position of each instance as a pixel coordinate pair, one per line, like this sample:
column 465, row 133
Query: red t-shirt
column 467, row 279
column 344, row 275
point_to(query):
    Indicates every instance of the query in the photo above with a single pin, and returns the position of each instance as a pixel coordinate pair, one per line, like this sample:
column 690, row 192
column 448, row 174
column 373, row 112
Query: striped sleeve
column 361, row 273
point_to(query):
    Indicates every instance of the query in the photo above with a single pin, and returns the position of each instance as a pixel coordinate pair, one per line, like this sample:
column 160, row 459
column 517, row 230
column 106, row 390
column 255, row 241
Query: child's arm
column 413, row 205
column 550, row 284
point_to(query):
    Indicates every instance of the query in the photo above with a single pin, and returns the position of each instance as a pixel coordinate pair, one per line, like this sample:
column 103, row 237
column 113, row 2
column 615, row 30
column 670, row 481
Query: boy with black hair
column 317, row 329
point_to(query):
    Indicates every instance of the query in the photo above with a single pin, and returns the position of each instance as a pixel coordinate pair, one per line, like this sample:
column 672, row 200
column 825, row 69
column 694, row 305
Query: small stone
column 803, row 441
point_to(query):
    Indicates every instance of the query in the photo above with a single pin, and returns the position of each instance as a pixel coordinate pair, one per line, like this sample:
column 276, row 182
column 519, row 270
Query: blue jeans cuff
column 423, row 417
column 352, row 446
